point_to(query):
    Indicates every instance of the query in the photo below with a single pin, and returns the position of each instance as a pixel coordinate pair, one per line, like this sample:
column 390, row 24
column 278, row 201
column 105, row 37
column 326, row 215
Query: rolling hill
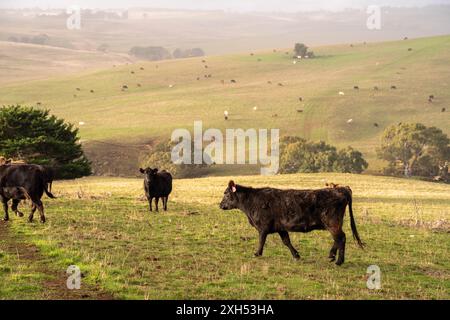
column 166, row 95
column 24, row 62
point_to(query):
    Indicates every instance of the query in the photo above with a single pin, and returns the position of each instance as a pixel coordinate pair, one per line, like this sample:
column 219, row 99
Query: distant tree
column 161, row 158
column 299, row 155
column 178, row 54
column 197, row 52
column 350, row 160
column 414, row 149
column 37, row 137
column 151, row 53
column 300, row 49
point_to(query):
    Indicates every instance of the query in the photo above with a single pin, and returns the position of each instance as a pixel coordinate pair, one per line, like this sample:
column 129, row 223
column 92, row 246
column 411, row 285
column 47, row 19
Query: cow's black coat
column 281, row 211
column 24, row 181
column 157, row 185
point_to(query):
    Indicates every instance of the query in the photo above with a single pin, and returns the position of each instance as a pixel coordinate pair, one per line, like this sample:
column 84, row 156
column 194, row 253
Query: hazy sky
column 234, row 5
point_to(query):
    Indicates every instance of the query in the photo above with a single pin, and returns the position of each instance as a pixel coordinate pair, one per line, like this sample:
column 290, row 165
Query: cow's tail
column 353, row 224
column 48, row 193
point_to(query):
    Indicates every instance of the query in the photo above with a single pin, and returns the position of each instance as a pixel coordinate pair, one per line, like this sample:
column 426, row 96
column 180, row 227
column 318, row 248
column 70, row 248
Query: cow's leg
column 156, row 203
column 33, row 209
column 287, row 241
column 5, row 209
column 262, row 241
column 150, row 203
column 40, row 208
column 165, row 200
column 14, row 207
column 333, row 251
column 341, row 245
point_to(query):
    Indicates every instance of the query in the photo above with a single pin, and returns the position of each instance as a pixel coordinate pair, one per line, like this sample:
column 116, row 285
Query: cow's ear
column 141, row 170
column 232, row 186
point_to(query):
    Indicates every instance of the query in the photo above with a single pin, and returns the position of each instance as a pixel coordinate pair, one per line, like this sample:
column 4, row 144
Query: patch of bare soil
column 54, row 288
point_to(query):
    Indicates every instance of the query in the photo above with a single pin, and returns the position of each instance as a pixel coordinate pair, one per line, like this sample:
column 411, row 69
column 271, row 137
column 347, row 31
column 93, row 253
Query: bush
column 37, row 137
column 161, row 158
column 299, row 155
column 414, row 149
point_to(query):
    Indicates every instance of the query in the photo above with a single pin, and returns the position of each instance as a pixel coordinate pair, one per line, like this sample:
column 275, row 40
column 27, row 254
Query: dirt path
column 54, row 287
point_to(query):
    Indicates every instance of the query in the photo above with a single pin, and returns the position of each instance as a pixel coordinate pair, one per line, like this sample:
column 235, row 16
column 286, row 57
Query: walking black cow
column 281, row 211
column 20, row 182
column 157, row 185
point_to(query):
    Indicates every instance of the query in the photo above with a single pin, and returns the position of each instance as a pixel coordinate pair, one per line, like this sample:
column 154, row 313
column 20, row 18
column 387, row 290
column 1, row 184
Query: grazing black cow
column 233, row 81
column 281, row 211
column 24, row 181
column 157, row 185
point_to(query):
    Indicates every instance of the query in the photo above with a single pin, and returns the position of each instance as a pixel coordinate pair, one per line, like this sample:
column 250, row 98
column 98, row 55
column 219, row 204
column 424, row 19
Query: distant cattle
column 355, row 87
column 139, row 85
column 443, row 110
column 142, row 68
column 233, row 81
column 272, row 210
column 124, row 87
column 78, row 89
column 92, row 91
column 157, row 185
column 300, row 99
column 409, row 49
column 376, row 88
column 393, row 87
column 280, row 84
column 269, row 82
column 299, row 110
column 20, row 182
column 375, row 124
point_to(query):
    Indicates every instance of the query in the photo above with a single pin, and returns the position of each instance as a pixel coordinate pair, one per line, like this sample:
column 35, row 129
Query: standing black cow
column 157, row 185
column 20, row 182
column 273, row 210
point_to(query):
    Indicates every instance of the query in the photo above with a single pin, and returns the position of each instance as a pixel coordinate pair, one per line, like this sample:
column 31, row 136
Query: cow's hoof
column 42, row 220
column 338, row 263
column 297, row 257
column 257, row 254
column 5, row 219
column 332, row 259
column 30, row 220
column 19, row 214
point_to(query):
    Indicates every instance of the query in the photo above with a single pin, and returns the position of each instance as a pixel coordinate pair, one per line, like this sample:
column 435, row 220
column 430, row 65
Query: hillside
column 24, row 62
column 170, row 96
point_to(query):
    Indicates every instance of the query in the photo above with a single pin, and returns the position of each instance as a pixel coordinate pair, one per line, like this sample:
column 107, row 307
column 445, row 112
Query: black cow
column 157, row 185
column 20, row 182
column 281, row 211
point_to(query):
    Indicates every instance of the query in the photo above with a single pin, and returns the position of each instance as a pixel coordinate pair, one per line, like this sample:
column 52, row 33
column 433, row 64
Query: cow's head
column 230, row 199
column 149, row 172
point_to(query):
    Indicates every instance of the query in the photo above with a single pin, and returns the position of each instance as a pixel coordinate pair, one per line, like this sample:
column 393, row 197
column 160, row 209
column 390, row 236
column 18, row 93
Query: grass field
column 197, row 251
column 153, row 110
